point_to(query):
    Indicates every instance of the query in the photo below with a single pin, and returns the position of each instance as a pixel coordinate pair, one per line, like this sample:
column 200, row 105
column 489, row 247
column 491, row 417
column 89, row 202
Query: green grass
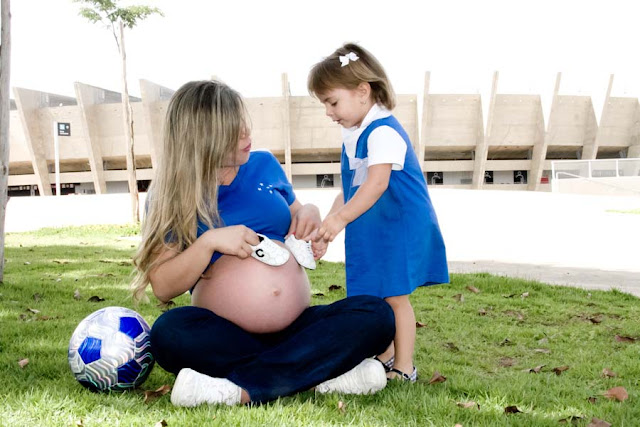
column 467, row 341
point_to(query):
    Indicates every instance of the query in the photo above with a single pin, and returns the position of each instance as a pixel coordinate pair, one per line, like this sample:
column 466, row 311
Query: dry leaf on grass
column 608, row 373
column 482, row 312
column 595, row 422
column 79, row 423
column 621, row 338
column 507, row 362
column 76, row 294
column 150, row 396
column 37, row 297
column 473, row 289
column 524, row 295
column 458, row 297
column 437, row 378
column 341, row 406
column 592, row 399
column 451, row 346
column 335, row 287
column 468, row 405
column 542, row 350
column 535, row 370
column 33, row 310
column 318, row 294
column 95, row 298
column 161, row 423
column 506, row 341
column 421, row 325
column 23, row 362
column 511, row 410
column 595, row 318
column 560, row 369
column 617, row 393
column 515, row 314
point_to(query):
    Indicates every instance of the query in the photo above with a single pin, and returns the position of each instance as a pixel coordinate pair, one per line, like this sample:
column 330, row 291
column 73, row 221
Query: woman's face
column 241, row 154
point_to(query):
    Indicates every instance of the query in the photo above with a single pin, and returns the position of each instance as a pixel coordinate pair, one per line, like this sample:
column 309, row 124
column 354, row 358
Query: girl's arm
column 176, row 272
column 367, row 195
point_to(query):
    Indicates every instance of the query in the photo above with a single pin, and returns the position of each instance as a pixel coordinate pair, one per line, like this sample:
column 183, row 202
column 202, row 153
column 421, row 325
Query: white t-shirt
column 385, row 145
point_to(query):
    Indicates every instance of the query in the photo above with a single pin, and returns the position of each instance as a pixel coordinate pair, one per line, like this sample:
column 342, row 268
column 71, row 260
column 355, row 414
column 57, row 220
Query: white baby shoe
column 301, row 251
column 268, row 252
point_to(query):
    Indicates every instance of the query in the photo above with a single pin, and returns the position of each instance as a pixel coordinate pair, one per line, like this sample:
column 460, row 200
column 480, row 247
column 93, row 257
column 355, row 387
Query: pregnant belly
column 257, row 297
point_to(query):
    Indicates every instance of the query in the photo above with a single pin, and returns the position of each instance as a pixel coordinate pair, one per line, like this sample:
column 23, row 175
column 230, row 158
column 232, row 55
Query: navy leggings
column 324, row 342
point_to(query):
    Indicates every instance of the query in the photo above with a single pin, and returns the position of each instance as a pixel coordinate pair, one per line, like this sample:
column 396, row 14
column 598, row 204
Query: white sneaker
column 301, row 251
column 366, row 378
column 268, row 252
column 193, row 388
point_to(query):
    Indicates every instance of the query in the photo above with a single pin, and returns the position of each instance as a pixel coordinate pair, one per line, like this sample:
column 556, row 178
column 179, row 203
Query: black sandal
column 405, row 377
column 388, row 365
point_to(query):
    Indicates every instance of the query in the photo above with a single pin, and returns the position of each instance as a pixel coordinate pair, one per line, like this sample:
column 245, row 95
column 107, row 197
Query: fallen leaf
column 318, row 294
column 37, row 297
column 421, row 325
column 27, row 263
column 451, row 346
column 57, row 261
column 458, row 297
column 468, row 405
column 560, row 369
column 608, row 373
column 507, row 362
column 33, row 310
column 341, row 406
column 515, row 314
column 511, row 410
column 506, row 341
column 595, row 319
column 592, row 399
column 524, row 295
column 595, row 422
column 437, row 378
column 572, row 419
column 161, row 423
column 617, row 393
column 543, row 340
column 95, row 298
column 509, row 296
column 621, row 338
column 76, row 294
column 23, row 362
column 542, row 350
column 150, row 396
column 79, row 423
column 482, row 312
column 458, row 425
column 535, row 370
column 335, row 287
column 473, row 289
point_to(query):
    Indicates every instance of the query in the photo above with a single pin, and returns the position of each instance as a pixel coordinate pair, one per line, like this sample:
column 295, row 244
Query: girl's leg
column 405, row 338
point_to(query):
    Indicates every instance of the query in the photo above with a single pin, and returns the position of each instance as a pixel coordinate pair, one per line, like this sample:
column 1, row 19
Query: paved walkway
column 554, row 238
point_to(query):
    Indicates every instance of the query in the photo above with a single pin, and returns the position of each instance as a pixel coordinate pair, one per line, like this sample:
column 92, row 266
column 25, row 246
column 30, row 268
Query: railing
column 593, row 171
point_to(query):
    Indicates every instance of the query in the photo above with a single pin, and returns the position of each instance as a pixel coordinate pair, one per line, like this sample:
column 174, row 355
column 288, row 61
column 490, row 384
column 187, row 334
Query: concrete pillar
column 28, row 103
column 634, row 144
column 286, row 124
column 88, row 97
column 154, row 109
column 540, row 149
column 482, row 147
column 590, row 150
column 424, row 132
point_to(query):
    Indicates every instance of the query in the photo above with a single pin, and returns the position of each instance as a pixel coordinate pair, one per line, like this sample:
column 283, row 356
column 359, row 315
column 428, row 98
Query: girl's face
column 347, row 107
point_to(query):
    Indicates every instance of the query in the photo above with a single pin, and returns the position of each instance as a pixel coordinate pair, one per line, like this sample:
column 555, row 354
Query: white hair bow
column 351, row 56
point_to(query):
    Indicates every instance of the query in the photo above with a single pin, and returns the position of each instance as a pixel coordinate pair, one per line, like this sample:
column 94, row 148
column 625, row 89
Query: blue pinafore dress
column 395, row 246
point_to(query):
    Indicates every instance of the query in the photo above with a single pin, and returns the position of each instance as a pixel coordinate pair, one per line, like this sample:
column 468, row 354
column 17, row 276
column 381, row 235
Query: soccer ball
column 110, row 350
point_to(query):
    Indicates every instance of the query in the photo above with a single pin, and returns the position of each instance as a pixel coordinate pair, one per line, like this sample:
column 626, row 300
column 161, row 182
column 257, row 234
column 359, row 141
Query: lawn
column 508, row 351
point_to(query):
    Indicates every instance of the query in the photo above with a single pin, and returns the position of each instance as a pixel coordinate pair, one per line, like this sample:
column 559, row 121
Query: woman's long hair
column 202, row 127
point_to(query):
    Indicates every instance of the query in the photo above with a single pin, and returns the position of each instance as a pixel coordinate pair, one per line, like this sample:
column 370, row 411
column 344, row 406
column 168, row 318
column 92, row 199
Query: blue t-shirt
column 258, row 198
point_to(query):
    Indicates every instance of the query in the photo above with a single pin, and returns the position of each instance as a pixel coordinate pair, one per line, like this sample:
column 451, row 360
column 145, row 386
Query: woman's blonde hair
column 329, row 74
column 204, row 121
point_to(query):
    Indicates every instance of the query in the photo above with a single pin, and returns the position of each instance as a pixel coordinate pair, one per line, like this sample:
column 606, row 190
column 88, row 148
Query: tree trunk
column 5, row 105
column 128, row 132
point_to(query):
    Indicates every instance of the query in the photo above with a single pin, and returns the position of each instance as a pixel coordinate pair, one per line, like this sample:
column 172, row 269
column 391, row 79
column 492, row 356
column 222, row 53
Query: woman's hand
column 234, row 240
column 304, row 220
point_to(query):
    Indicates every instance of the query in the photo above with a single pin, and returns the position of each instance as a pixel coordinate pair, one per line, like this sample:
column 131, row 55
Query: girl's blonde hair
column 329, row 74
column 203, row 124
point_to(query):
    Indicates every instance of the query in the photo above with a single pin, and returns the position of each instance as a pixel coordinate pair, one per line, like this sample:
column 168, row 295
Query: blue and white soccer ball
column 110, row 350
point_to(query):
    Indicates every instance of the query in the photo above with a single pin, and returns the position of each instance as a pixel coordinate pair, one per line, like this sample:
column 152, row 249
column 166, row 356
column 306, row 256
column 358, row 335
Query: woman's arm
column 367, row 195
column 176, row 272
column 304, row 219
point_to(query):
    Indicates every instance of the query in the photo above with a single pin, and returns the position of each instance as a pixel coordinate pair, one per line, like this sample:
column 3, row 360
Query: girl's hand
column 305, row 220
column 319, row 248
column 331, row 226
column 234, row 240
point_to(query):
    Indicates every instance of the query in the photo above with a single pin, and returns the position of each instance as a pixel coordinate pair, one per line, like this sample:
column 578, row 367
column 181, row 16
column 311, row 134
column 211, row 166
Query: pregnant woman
column 250, row 334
